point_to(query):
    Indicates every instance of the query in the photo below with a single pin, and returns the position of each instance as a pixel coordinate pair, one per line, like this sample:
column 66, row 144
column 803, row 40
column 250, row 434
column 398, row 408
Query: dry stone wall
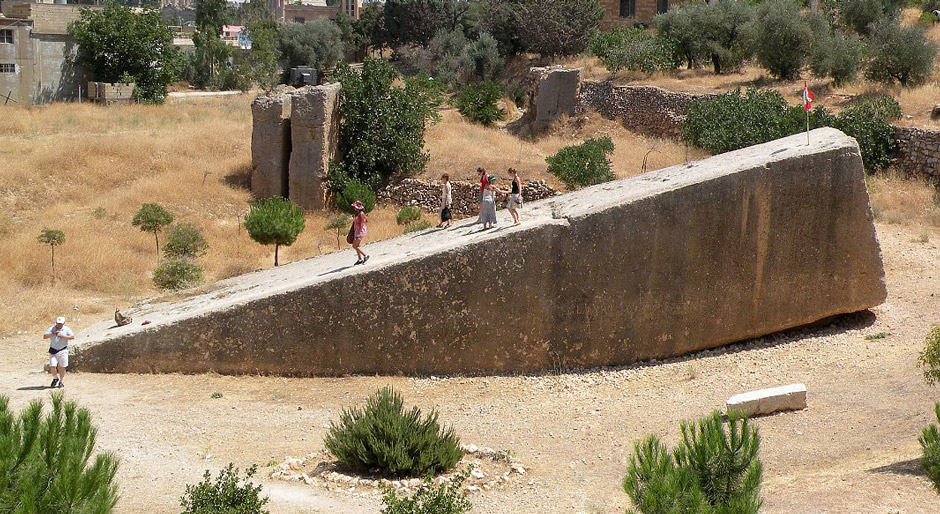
column 465, row 195
column 648, row 110
column 918, row 153
column 673, row 261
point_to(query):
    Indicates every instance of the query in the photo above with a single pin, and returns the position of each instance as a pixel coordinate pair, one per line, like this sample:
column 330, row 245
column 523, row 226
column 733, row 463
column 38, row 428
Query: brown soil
column 853, row 450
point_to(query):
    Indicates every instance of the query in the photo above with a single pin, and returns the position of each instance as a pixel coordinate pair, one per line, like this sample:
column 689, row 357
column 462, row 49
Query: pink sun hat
column 358, row 206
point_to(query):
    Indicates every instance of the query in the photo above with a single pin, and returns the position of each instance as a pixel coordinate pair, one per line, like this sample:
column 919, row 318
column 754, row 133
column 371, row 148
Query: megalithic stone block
column 270, row 145
column 674, row 261
column 314, row 137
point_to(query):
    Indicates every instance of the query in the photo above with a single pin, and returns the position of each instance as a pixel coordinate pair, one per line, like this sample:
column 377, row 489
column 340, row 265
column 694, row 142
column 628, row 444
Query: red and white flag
column 808, row 98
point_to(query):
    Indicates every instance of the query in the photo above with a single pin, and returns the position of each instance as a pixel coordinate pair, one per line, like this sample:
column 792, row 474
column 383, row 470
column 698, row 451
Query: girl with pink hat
column 358, row 231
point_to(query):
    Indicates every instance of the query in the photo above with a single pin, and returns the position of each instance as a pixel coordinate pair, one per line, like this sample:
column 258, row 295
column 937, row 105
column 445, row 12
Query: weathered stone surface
column 270, row 145
column 314, row 136
column 553, row 92
column 769, row 401
column 465, row 196
column 669, row 262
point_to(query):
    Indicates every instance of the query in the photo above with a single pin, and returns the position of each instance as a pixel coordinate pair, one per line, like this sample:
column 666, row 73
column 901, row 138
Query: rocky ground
column 853, row 450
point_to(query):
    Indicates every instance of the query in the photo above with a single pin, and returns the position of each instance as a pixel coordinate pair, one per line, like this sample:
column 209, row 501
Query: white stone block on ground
column 768, row 401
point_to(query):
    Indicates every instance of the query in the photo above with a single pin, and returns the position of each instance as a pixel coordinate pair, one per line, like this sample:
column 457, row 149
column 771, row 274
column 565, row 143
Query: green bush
column 553, row 28
column 481, row 59
column 46, row 463
column 862, row 15
column 838, row 56
column 634, row 49
column 355, row 191
column 583, row 165
column 479, row 102
column 339, row 224
column 185, row 240
column 930, row 443
column 782, row 38
column 901, row 54
column 446, row 498
column 713, row 470
column 228, row 494
column 929, row 357
column 317, row 44
column 276, row 221
column 417, row 226
column 722, row 25
column 681, row 32
column 407, row 215
column 867, row 122
column 383, row 437
column 176, row 273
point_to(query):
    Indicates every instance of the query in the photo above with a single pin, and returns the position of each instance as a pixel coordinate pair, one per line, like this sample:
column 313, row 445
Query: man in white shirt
column 59, row 336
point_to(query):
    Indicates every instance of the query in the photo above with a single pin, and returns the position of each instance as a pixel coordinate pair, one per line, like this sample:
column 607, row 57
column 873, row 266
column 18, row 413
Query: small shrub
column 353, row 192
column 713, row 470
column 479, row 103
column 152, row 217
column 407, row 215
column 185, row 240
column 901, row 54
column 228, row 494
column 481, row 58
column 276, row 221
column 47, row 461
column 930, row 443
column 445, row 498
column 52, row 238
column 583, row 165
column 99, row 213
column 838, row 56
column 417, row 226
column 338, row 223
column 733, row 120
column 929, row 357
column 875, row 337
column 176, row 273
column 383, row 437
column 633, row 49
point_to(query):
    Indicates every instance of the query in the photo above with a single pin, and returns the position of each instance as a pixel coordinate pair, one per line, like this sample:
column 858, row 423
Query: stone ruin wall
column 465, row 195
column 918, row 153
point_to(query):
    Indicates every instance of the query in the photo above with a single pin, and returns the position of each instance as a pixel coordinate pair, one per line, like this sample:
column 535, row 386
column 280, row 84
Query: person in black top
column 515, row 196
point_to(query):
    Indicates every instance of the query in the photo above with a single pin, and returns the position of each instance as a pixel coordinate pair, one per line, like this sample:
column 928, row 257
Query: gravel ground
column 853, row 450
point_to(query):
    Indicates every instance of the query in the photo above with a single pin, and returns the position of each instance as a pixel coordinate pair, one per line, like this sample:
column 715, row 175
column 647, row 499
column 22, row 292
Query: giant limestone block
column 665, row 263
column 270, row 145
column 314, row 136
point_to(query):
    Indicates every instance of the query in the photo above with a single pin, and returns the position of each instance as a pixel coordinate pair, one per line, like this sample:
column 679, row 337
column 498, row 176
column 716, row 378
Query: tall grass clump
column 382, row 437
column 46, row 463
column 713, row 470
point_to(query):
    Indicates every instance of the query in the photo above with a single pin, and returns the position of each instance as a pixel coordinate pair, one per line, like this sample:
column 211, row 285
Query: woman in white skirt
column 488, row 210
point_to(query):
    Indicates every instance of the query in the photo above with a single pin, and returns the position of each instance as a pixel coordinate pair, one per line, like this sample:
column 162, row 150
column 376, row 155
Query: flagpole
column 807, row 127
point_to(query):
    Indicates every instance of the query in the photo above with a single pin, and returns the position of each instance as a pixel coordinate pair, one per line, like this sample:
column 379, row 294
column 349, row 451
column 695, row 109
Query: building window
column 7, row 68
column 662, row 6
column 627, row 8
column 6, row 36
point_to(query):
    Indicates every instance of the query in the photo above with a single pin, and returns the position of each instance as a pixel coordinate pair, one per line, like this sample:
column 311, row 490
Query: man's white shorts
column 61, row 358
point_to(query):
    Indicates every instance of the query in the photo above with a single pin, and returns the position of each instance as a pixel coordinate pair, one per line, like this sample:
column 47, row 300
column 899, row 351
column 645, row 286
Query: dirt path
column 854, row 449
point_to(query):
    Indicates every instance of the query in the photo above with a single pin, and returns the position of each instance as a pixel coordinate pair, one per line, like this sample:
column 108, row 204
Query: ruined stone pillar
column 553, row 92
column 270, row 145
column 314, row 136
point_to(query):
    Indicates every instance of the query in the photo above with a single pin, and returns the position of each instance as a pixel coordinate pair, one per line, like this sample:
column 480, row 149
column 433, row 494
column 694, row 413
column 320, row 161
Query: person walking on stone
column 446, row 201
column 515, row 196
column 59, row 336
column 358, row 231
column 483, row 181
column 488, row 207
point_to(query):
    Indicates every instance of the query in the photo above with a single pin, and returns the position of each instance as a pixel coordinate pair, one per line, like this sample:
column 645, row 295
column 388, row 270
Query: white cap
column 60, row 319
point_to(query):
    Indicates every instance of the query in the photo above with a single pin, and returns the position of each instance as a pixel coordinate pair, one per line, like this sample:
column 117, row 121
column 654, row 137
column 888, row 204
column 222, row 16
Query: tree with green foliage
column 722, row 25
column 862, row 15
column 479, row 102
column 48, row 463
column 52, row 238
column 495, row 17
column 176, row 273
column 383, row 436
column 211, row 53
column 901, row 54
column 338, row 224
column 416, row 22
column 480, row 58
column 116, row 44
column 838, row 56
column 359, row 35
column 229, row 493
column 276, row 221
column 681, row 32
column 634, row 49
column 713, row 470
column 782, row 38
column 382, row 125
column 318, row 44
column 185, row 240
column 553, row 28
column 583, row 165
column 929, row 357
column 355, row 191
column 260, row 65
column 930, row 445
column 443, row 498
column 152, row 217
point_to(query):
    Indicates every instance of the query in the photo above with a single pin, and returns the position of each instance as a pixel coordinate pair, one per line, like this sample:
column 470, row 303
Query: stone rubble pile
column 426, row 195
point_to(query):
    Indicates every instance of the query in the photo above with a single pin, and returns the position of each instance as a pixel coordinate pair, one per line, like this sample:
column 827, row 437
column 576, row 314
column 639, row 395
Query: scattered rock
column 768, row 401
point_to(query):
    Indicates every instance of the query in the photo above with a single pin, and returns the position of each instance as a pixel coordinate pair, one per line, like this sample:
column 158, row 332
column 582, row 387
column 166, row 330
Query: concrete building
column 309, row 10
column 630, row 12
column 34, row 51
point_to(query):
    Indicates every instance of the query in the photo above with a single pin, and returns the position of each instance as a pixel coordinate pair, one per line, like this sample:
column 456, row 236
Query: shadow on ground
column 906, row 467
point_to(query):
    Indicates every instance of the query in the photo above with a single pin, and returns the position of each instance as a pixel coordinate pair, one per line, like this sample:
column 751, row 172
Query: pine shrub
column 355, row 191
column 446, row 498
column 417, row 226
column 185, row 240
column 276, row 221
column 479, row 102
column 46, row 463
column 176, row 273
column 583, row 165
column 712, row 470
column 407, row 215
column 228, row 494
column 384, row 438
column 930, row 443
column 337, row 223
column 929, row 357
